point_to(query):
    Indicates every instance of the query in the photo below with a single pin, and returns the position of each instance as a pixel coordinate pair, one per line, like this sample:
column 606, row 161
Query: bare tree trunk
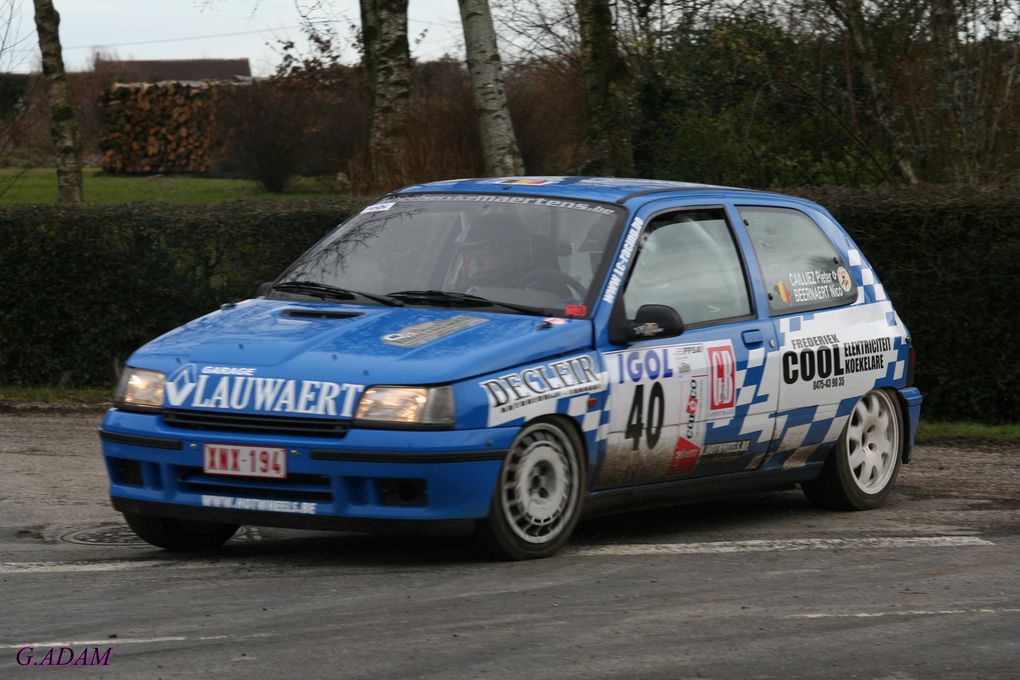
column 499, row 145
column 64, row 127
column 608, row 84
column 388, row 60
column 369, row 40
column 945, row 29
column 850, row 13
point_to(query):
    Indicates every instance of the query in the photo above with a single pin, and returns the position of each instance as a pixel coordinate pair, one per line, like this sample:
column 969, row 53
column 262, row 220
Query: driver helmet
column 494, row 251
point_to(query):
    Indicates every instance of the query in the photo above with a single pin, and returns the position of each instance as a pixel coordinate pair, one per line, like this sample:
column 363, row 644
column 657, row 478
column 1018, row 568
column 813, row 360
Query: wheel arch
column 572, row 427
column 906, row 442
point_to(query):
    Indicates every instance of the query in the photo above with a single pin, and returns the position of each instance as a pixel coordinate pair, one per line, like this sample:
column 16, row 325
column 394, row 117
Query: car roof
column 607, row 189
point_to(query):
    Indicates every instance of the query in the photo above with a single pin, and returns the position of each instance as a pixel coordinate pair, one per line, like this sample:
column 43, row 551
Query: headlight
column 140, row 388
column 420, row 405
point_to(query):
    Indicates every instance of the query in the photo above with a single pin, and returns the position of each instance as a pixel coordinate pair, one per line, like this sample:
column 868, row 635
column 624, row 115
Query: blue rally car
column 506, row 355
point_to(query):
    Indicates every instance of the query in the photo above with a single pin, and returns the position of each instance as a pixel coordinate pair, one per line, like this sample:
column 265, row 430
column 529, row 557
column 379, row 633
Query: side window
column 689, row 261
column 802, row 270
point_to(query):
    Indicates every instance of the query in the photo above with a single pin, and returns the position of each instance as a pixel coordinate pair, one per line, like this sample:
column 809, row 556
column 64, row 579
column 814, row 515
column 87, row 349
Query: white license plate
column 245, row 461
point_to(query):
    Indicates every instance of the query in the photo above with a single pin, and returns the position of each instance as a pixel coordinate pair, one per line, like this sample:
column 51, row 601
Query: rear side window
column 802, row 270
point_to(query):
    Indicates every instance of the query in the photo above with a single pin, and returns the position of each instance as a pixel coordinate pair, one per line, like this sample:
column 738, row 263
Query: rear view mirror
column 264, row 289
column 654, row 321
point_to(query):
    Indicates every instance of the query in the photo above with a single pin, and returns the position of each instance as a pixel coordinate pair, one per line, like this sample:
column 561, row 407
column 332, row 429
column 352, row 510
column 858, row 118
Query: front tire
column 859, row 473
column 179, row 535
column 538, row 498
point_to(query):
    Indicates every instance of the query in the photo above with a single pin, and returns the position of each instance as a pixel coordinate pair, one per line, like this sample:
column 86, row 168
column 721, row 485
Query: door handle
column 752, row 337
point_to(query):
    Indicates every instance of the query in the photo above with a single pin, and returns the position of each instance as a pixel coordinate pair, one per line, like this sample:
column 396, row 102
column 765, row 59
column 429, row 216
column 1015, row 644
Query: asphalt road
column 758, row 587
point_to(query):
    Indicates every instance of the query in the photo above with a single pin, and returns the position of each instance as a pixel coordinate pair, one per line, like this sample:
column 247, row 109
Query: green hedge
column 950, row 260
column 81, row 289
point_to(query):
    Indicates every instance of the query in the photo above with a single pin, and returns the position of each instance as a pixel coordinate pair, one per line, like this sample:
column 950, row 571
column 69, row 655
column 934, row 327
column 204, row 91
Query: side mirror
column 654, row 321
column 264, row 289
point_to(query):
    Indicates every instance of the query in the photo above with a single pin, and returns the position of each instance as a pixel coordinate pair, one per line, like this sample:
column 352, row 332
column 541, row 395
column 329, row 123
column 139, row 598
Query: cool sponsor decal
column 620, row 268
column 555, row 380
column 260, row 504
column 430, row 331
column 838, row 354
column 825, row 365
column 217, row 389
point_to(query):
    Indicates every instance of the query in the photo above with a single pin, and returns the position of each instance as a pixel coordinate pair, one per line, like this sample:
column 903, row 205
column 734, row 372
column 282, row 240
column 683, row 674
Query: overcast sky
column 196, row 29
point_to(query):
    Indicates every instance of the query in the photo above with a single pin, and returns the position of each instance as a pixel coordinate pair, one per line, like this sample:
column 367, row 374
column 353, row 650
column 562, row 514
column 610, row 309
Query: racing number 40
column 646, row 421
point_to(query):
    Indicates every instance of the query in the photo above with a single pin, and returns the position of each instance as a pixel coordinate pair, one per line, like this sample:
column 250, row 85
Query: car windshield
column 511, row 253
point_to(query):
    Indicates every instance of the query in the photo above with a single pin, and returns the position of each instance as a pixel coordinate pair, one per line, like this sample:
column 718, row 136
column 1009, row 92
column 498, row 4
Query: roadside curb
column 35, row 407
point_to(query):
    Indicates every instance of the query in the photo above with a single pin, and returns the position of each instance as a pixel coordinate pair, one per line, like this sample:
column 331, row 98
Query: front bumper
column 367, row 480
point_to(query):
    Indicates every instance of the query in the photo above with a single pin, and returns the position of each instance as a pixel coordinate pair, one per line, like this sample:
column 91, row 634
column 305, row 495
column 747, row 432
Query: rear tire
column 537, row 501
column 179, row 535
column 860, row 472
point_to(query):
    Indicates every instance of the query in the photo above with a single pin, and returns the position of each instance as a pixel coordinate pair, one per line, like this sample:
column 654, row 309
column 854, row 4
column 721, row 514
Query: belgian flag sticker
column 784, row 292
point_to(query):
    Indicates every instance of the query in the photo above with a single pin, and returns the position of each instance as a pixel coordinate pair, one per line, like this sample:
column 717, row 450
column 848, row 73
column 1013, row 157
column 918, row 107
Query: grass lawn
column 35, row 186
column 56, row 395
column 999, row 433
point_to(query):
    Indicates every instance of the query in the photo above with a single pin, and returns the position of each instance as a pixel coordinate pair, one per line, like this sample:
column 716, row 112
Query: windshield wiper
column 326, row 291
column 454, row 298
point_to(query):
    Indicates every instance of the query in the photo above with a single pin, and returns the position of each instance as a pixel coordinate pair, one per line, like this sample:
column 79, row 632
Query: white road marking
column 721, row 547
column 95, row 643
column 116, row 642
column 908, row 612
column 710, row 548
column 119, row 565
column 59, row 567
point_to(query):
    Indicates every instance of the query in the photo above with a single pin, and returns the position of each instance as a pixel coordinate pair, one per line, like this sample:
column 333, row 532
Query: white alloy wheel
column 873, row 442
column 538, row 484
column 860, row 471
column 537, row 500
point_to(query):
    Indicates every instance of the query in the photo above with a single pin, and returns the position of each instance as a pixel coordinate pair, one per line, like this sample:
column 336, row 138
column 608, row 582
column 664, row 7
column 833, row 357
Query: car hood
column 366, row 345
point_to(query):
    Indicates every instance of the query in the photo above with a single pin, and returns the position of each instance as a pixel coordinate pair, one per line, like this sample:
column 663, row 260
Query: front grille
column 296, row 487
column 256, row 424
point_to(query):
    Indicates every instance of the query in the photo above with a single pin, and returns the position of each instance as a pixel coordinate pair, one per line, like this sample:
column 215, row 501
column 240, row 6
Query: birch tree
column 64, row 127
column 608, row 85
column 388, row 64
column 499, row 144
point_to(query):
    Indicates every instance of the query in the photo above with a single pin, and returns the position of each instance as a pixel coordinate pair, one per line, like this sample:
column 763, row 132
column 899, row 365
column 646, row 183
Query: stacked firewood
column 149, row 128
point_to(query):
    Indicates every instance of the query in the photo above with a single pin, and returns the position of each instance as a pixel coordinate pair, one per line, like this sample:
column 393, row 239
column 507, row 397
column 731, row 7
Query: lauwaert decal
column 211, row 390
